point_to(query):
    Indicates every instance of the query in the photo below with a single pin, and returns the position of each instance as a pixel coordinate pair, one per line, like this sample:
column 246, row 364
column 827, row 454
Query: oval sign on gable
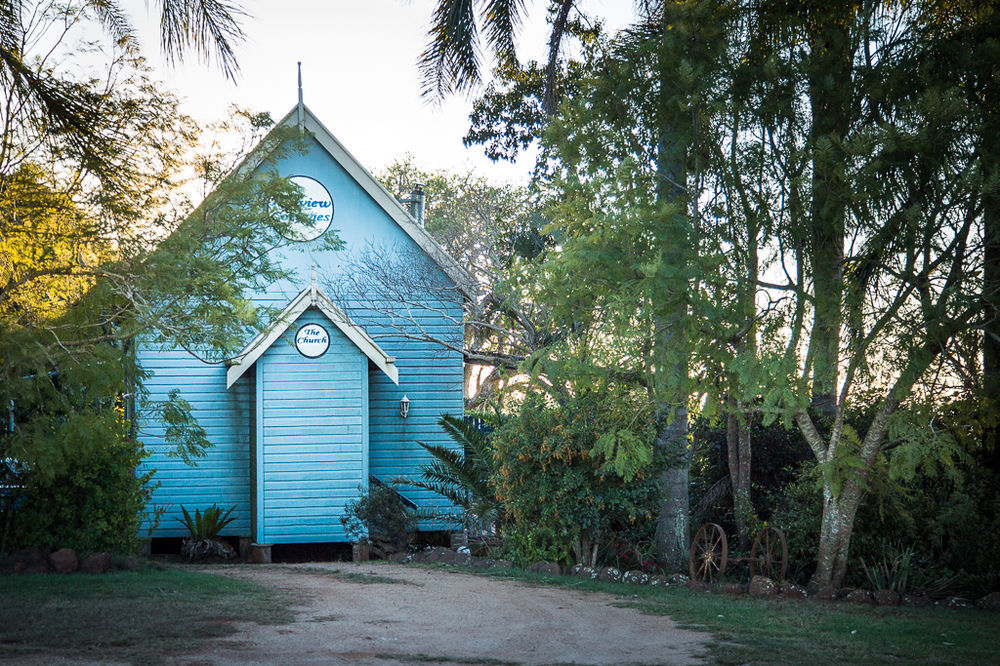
column 312, row 340
column 317, row 205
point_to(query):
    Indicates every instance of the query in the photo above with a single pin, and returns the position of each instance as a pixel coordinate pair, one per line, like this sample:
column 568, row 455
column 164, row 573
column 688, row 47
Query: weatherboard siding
column 222, row 476
column 312, row 460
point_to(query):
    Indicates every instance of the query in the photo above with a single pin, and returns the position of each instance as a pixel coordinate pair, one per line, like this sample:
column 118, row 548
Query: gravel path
column 443, row 617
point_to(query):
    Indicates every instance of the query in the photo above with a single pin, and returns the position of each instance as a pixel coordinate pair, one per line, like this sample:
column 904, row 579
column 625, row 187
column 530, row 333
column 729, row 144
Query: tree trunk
column 830, row 99
column 989, row 156
column 670, row 346
column 738, row 446
column 835, row 536
column 673, row 519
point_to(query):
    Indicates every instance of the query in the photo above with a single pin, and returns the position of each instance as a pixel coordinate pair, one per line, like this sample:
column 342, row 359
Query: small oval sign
column 317, row 205
column 312, row 340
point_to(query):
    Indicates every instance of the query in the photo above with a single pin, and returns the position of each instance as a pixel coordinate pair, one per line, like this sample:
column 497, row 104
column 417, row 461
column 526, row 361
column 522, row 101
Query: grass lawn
column 132, row 616
column 759, row 631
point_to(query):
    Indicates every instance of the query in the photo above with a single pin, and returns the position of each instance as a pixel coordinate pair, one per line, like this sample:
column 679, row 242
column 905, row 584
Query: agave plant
column 206, row 525
column 462, row 476
column 203, row 533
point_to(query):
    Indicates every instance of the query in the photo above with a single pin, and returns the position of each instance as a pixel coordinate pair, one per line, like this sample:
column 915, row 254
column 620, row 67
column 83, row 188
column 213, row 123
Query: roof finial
column 300, row 95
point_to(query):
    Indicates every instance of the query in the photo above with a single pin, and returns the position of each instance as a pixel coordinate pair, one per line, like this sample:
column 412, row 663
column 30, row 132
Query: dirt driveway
column 363, row 614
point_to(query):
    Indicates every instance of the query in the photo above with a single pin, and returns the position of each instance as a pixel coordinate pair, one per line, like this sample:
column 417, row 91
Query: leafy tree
column 495, row 234
column 47, row 95
column 871, row 160
column 100, row 250
column 669, row 47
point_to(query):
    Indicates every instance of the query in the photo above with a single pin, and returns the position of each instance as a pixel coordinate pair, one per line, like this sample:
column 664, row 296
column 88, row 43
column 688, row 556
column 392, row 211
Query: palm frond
column 451, row 61
column 501, row 19
column 462, row 476
column 210, row 27
column 116, row 22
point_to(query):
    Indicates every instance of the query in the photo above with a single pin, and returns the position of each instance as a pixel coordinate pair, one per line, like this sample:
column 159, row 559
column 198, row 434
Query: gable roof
column 311, row 296
column 300, row 115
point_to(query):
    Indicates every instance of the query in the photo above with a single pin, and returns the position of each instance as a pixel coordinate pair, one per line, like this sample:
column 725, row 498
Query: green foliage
column 93, row 501
column 562, row 500
column 462, row 476
column 206, row 525
column 99, row 247
column 952, row 528
column 381, row 517
column 893, row 572
column 624, row 453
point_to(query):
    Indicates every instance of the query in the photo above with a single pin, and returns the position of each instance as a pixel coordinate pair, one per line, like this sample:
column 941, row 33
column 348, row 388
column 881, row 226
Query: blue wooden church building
column 316, row 403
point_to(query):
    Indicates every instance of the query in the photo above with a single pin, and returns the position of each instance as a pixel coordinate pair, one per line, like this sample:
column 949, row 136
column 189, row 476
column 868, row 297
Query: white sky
column 359, row 76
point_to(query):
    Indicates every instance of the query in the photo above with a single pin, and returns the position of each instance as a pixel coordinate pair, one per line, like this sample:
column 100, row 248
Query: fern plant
column 463, row 477
column 207, row 525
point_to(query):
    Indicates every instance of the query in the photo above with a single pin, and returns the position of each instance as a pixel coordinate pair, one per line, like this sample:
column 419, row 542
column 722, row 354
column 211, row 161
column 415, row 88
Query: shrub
column 563, row 500
column 95, row 501
column 381, row 517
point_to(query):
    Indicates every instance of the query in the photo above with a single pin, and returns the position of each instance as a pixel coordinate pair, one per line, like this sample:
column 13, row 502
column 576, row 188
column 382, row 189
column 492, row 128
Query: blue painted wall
column 312, row 443
column 429, row 376
column 222, row 476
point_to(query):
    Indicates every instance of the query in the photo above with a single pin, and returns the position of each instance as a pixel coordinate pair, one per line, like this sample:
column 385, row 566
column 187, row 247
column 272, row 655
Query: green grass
column 759, row 631
column 140, row 616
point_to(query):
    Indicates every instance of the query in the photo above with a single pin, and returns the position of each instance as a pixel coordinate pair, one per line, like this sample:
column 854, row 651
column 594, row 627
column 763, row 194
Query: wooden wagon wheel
column 709, row 554
column 769, row 556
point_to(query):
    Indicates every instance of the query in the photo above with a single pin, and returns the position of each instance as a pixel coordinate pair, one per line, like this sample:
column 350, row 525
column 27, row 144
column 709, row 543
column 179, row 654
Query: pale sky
column 359, row 76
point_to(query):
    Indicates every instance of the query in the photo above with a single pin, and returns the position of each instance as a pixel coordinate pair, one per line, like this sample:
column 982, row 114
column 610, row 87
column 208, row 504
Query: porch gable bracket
column 311, row 296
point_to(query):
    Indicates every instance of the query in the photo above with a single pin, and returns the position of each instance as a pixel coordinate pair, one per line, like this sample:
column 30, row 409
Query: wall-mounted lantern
column 404, row 406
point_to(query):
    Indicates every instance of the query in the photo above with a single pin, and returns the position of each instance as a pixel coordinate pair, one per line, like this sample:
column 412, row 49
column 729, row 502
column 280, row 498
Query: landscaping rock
column 448, row 557
column 695, row 585
column 678, row 579
column 859, row 596
column 400, row 558
column 762, row 586
column 480, row 562
column 543, row 567
column 502, row 564
column 990, row 602
column 791, row 591
column 462, row 558
column 917, row 600
column 659, row 581
column 587, row 573
column 29, row 560
column 885, row 598
column 207, row 549
column 64, row 560
column 609, row 575
column 954, row 602
column 131, row 563
column 734, row 589
column 635, row 577
column 96, row 563
column 437, row 554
